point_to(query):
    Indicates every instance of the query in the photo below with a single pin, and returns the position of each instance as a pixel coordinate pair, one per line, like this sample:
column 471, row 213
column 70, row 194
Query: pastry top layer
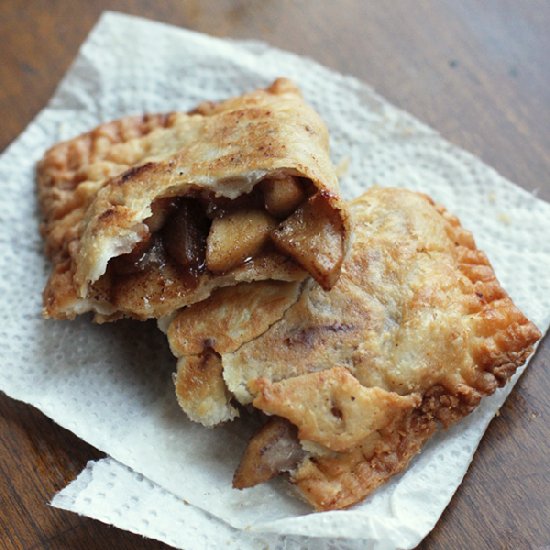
column 97, row 190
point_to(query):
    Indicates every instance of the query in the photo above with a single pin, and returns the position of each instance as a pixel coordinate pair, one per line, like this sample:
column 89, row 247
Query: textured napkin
column 111, row 384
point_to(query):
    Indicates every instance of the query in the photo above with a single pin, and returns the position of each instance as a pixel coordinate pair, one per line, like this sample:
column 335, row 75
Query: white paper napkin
column 113, row 493
column 111, row 384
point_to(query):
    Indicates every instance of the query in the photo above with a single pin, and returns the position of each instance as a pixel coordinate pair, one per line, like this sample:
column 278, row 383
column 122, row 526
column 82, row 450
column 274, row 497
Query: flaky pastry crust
column 201, row 391
column 416, row 332
column 222, row 323
column 97, row 190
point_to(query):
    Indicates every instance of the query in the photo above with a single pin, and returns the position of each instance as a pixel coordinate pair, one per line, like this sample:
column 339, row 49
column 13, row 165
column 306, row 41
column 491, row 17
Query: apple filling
column 197, row 234
column 273, row 449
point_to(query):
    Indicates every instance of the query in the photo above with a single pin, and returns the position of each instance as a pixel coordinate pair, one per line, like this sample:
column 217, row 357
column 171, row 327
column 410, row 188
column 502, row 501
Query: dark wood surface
column 477, row 71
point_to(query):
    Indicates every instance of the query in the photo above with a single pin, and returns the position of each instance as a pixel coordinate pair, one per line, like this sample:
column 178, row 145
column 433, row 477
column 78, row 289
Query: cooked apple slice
column 185, row 235
column 272, row 450
column 312, row 236
column 282, row 195
column 236, row 237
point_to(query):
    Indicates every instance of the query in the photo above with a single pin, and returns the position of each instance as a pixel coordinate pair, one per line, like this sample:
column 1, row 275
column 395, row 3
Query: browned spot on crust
column 107, row 215
column 313, row 335
column 135, row 171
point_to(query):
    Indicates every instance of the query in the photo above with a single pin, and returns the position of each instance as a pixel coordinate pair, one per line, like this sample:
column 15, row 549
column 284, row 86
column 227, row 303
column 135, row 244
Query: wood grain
column 477, row 71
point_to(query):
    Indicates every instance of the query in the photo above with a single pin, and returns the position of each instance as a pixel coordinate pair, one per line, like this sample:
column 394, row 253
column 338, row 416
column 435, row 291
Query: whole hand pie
column 148, row 214
column 353, row 381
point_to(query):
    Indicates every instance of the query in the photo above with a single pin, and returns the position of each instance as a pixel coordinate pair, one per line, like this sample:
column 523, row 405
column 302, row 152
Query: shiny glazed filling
column 200, row 234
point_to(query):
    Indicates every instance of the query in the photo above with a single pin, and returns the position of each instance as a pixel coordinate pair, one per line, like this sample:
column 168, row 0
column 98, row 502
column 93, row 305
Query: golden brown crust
column 201, row 391
column 418, row 312
column 97, row 190
column 221, row 323
column 331, row 407
column 341, row 480
column 68, row 178
column 71, row 172
column 230, row 317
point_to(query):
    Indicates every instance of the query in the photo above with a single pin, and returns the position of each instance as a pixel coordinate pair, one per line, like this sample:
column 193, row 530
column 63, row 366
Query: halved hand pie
column 355, row 380
column 147, row 215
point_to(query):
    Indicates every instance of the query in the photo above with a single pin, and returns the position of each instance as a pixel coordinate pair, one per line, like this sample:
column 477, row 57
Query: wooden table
column 477, row 71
